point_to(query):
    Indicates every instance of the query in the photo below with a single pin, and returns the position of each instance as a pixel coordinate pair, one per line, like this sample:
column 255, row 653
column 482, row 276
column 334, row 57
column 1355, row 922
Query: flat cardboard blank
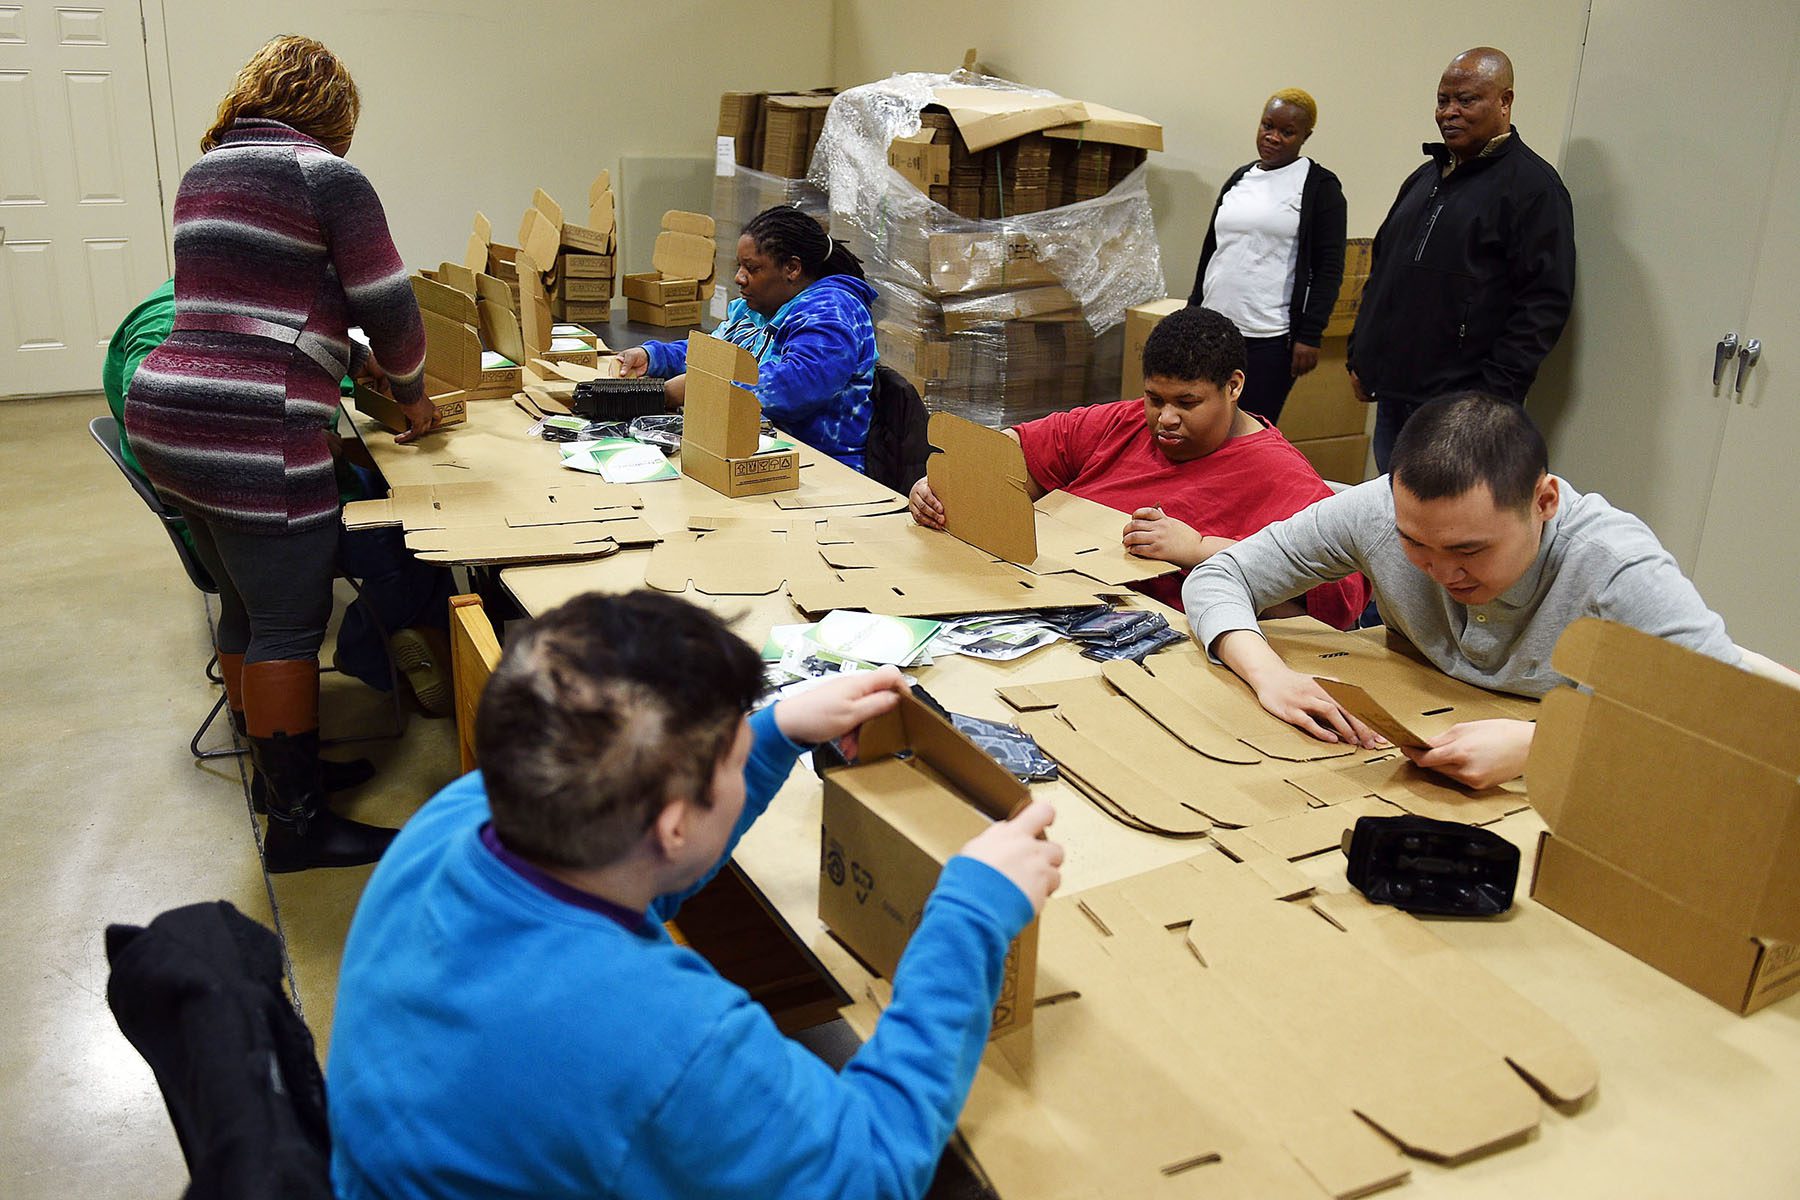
column 979, row 476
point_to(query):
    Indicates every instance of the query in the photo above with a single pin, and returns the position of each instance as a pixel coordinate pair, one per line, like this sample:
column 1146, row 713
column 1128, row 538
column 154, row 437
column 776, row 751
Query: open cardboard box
column 722, row 421
column 1672, row 793
column 890, row 823
column 384, row 411
column 472, row 337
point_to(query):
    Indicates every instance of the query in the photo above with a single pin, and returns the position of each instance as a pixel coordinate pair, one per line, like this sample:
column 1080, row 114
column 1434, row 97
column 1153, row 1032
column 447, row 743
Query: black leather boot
column 303, row 832
column 337, row 776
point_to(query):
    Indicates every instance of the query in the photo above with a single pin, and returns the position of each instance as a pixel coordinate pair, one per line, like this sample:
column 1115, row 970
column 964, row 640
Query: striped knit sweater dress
column 280, row 246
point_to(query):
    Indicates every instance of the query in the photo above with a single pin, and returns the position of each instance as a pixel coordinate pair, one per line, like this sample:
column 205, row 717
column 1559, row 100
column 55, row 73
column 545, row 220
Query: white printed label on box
column 725, row 158
column 718, row 304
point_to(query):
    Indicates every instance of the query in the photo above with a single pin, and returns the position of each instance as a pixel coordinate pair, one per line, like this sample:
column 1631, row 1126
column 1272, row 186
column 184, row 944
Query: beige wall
column 469, row 104
column 1204, row 69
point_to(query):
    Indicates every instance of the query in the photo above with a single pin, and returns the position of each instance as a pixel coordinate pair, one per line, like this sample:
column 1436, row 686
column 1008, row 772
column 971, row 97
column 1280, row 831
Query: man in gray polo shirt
column 1477, row 555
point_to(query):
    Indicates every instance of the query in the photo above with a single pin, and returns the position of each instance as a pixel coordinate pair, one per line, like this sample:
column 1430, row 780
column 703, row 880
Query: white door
column 1669, row 166
column 1749, row 566
column 79, row 201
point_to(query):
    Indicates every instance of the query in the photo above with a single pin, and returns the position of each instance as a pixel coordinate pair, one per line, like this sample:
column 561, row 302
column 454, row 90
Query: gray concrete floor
column 105, row 818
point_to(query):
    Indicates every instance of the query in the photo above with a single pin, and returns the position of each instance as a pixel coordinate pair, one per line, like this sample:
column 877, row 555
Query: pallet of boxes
column 676, row 292
column 1322, row 416
column 1005, row 231
column 766, row 144
column 576, row 260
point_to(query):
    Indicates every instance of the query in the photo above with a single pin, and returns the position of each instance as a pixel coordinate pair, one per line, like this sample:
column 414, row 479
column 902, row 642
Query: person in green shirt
column 143, row 330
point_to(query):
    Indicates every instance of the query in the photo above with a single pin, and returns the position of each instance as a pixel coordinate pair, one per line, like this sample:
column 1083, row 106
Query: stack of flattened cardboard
column 490, row 521
column 741, row 189
column 1180, row 748
column 788, row 131
column 676, row 292
column 1322, row 416
column 969, row 311
column 575, row 260
column 1670, row 789
column 1219, row 1029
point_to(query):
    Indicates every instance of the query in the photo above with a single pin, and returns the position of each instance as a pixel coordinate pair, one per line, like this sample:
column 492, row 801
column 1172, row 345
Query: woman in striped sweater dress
column 280, row 245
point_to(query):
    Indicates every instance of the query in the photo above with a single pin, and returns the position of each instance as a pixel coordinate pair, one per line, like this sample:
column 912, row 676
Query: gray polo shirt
column 1594, row 561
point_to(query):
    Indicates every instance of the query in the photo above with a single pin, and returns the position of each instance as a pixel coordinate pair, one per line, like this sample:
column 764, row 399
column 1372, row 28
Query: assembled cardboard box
column 683, row 313
column 722, row 422
column 384, row 411
column 917, row 793
column 1672, row 792
column 1140, row 319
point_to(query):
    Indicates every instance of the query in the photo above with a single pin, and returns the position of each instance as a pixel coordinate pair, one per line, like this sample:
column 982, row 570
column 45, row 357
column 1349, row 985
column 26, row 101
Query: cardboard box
column 581, row 310
column 451, row 409
column 889, row 826
column 1140, row 319
column 740, row 113
column 653, row 288
column 920, row 161
column 973, row 262
column 1672, row 794
column 911, row 352
column 1321, row 404
column 687, row 312
column 570, row 265
column 579, row 288
column 1338, row 459
column 471, row 345
column 722, row 422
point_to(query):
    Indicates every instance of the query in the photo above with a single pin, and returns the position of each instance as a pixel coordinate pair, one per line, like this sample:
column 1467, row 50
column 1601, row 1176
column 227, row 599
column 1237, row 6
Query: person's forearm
column 1250, row 658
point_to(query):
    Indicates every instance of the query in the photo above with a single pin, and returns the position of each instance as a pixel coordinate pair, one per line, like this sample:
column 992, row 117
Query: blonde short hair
column 1300, row 100
column 298, row 82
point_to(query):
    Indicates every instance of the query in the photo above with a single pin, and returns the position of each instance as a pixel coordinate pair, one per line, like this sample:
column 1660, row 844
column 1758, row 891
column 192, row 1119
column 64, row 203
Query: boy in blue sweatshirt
column 512, row 1018
column 804, row 310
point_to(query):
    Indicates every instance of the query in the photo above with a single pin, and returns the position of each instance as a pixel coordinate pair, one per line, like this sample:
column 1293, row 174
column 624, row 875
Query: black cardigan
column 1321, row 236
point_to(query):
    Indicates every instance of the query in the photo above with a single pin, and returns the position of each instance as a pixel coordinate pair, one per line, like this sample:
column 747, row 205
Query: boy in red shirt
column 1195, row 472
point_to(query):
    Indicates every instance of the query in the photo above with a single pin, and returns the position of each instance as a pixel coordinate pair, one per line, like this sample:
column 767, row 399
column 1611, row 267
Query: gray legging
column 274, row 590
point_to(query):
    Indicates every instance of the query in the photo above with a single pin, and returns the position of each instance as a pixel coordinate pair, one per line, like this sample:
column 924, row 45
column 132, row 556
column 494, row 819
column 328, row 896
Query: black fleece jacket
column 1471, row 279
column 1321, row 260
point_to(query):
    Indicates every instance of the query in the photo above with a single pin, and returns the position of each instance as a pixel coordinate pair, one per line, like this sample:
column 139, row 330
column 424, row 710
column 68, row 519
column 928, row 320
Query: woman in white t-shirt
column 1274, row 254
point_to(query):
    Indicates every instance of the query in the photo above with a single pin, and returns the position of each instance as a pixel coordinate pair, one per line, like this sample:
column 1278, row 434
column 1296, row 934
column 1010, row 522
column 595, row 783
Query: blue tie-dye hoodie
column 817, row 356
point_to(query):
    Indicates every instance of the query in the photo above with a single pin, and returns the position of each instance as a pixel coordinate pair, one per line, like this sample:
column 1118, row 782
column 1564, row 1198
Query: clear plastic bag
column 999, row 318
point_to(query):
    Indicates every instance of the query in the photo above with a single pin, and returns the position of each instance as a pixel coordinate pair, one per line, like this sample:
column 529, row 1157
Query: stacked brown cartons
column 676, row 292
column 969, row 311
column 789, row 131
column 576, row 260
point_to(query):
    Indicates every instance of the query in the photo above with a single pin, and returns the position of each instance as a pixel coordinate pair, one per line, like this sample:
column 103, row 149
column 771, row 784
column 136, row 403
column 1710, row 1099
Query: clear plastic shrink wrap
column 739, row 196
column 1010, row 306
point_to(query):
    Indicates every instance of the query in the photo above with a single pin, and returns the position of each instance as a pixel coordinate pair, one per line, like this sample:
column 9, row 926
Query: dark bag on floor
column 897, row 449
column 199, row 993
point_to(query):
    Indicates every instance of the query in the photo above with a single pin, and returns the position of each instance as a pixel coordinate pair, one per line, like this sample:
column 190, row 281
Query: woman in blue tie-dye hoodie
column 803, row 309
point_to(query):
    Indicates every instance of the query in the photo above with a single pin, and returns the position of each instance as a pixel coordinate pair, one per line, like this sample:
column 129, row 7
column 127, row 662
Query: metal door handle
column 1746, row 359
column 1722, row 354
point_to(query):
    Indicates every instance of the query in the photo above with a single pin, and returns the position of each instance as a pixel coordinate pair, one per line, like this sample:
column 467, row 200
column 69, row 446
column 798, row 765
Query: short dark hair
column 1194, row 343
column 785, row 232
column 600, row 712
column 1455, row 443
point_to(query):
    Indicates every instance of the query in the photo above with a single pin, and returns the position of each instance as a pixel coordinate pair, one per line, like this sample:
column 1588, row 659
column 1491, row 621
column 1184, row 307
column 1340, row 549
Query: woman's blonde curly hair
column 298, row 82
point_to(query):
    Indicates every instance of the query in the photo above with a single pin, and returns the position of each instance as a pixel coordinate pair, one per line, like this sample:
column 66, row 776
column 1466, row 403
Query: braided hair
column 784, row 232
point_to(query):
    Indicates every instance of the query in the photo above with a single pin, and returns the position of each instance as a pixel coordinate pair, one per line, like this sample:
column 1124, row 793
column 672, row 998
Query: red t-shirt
column 1104, row 453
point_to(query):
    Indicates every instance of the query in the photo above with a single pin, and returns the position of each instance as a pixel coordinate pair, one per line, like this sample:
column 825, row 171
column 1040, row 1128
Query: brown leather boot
column 337, row 776
column 282, row 715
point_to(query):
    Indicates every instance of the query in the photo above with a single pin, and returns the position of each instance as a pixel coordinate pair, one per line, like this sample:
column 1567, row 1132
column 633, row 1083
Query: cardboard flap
column 444, row 300
column 1685, row 688
column 1112, row 126
column 540, row 200
column 458, row 276
column 1365, row 708
column 986, row 116
column 984, row 783
column 475, row 253
column 698, row 224
column 683, row 255
column 600, row 210
column 979, row 475
column 601, row 186
column 919, row 162
column 536, row 328
column 539, row 237
column 1177, row 714
column 716, row 356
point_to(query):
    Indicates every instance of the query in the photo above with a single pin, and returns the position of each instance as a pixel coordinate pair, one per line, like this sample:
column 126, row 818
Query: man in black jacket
column 1474, row 267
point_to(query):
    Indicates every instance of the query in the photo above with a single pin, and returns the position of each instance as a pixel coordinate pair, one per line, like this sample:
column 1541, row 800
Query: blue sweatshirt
column 493, row 1039
column 817, row 356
